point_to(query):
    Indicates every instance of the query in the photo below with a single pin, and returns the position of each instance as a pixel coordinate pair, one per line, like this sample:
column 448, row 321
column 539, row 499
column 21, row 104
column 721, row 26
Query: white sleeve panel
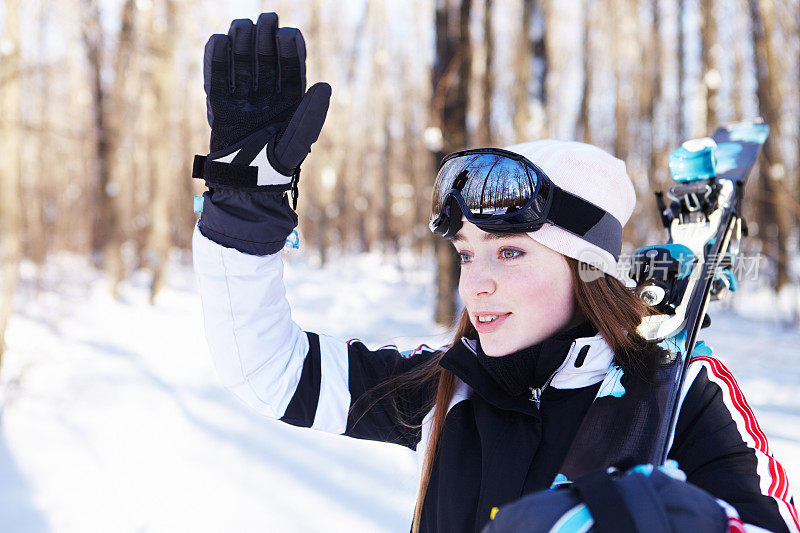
column 257, row 349
column 334, row 393
column 691, row 375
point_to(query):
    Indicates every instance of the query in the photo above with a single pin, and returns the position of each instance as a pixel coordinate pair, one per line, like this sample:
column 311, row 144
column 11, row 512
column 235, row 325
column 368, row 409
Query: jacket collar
column 461, row 360
column 586, row 363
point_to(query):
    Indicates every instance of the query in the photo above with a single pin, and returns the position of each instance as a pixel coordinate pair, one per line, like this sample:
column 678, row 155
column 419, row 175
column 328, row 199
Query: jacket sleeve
column 299, row 377
column 721, row 448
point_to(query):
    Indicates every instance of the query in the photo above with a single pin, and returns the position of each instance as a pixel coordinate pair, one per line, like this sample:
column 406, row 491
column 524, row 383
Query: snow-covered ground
column 113, row 419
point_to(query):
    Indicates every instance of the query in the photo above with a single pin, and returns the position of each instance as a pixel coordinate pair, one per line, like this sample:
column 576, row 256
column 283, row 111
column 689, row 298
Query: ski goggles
column 502, row 192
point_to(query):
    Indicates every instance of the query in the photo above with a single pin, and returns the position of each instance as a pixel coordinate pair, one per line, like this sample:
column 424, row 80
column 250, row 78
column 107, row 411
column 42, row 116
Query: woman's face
column 517, row 292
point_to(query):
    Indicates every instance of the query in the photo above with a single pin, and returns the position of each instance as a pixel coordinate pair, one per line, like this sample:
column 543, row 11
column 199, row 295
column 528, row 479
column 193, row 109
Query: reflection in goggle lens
column 490, row 184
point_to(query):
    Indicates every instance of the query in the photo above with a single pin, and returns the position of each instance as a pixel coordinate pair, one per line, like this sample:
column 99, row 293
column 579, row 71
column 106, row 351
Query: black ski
column 627, row 420
column 712, row 273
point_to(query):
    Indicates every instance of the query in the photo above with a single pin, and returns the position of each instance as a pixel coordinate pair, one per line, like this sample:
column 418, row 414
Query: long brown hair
column 612, row 308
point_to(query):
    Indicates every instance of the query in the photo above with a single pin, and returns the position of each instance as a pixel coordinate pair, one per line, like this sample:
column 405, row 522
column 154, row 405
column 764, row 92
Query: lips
column 485, row 322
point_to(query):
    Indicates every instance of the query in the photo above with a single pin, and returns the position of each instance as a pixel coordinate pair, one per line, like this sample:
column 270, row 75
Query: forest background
column 102, row 109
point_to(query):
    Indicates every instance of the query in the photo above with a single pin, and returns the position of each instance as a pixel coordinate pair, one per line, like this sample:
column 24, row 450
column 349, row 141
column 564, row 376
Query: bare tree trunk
column 421, row 169
column 451, row 77
column 142, row 148
column 310, row 209
column 522, row 71
column 36, row 186
column 623, row 80
column 10, row 165
column 772, row 211
column 739, row 74
column 652, row 63
column 796, row 197
column 541, row 120
column 484, row 133
column 114, row 266
column 667, row 108
column 164, row 177
column 93, row 40
column 708, row 32
column 657, row 152
column 388, row 236
column 381, row 156
column 584, row 131
column 681, row 68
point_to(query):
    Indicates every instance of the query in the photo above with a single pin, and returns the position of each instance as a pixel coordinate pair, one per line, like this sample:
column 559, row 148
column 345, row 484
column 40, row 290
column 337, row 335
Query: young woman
column 497, row 413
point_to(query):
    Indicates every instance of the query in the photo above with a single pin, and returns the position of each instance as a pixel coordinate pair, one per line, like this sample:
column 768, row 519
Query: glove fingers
column 241, row 35
column 216, row 65
column 216, row 70
column 304, row 128
column 266, row 52
column 292, row 62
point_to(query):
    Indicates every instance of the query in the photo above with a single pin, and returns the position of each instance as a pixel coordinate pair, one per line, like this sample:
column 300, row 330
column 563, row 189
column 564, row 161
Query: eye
column 464, row 258
column 511, row 253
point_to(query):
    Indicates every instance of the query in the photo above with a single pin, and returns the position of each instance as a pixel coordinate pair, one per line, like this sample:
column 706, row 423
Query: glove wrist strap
column 224, row 174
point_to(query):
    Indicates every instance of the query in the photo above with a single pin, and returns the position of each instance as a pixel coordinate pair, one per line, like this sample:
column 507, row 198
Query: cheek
column 546, row 294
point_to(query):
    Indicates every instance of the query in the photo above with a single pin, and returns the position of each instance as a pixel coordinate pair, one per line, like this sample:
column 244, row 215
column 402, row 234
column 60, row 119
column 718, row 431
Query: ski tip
column 755, row 131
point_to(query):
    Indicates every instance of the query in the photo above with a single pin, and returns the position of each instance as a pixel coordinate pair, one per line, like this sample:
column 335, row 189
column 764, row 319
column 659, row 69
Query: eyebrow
column 486, row 236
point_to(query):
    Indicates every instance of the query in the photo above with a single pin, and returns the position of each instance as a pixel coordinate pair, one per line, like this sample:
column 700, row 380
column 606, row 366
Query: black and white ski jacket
column 493, row 448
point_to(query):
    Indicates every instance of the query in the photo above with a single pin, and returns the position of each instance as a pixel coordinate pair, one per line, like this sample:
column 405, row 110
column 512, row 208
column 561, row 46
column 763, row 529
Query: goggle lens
column 490, row 184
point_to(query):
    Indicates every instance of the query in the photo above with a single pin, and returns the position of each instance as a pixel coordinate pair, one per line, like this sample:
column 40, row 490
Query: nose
column 478, row 280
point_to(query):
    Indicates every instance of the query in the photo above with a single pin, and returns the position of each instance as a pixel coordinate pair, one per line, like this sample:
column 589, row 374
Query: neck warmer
column 532, row 366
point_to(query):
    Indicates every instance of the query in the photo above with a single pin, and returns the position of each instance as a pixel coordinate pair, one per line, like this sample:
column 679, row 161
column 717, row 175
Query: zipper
column 536, row 395
column 465, row 342
column 536, row 392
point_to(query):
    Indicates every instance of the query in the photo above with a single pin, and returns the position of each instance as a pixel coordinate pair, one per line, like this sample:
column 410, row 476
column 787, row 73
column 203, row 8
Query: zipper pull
column 536, row 395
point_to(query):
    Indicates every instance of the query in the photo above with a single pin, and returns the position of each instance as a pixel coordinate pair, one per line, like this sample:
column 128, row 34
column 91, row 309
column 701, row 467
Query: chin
column 496, row 349
column 502, row 345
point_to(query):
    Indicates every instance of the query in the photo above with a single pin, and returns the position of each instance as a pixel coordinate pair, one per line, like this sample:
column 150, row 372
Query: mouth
column 489, row 322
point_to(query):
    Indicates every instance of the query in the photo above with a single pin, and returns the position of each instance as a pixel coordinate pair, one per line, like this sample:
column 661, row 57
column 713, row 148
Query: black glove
column 644, row 499
column 263, row 124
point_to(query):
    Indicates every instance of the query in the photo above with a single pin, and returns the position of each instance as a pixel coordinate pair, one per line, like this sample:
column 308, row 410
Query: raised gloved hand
column 263, row 123
column 644, row 498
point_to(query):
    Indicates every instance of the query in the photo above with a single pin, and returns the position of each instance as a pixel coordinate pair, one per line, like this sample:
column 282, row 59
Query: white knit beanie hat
column 592, row 174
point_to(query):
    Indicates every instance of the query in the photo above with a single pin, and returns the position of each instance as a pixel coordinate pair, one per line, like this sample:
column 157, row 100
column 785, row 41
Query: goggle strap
column 586, row 220
column 454, row 214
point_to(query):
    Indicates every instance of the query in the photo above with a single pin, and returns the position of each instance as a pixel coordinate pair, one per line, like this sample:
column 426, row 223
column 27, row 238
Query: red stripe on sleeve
column 779, row 486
